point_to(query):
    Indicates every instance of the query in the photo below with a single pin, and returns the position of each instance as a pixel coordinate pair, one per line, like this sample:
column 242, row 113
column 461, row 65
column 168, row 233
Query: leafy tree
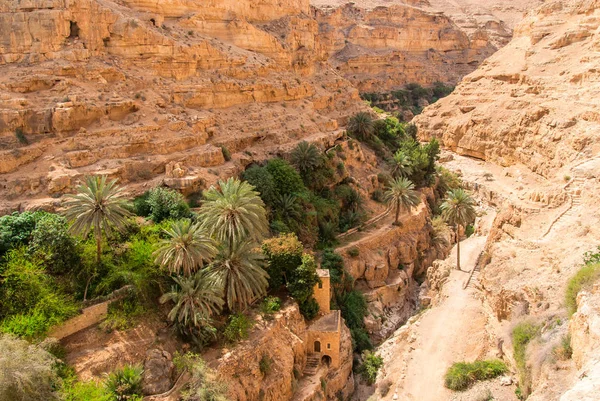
column 165, row 203
column 263, row 182
column 195, row 299
column 234, row 211
column 186, row 248
column 287, row 180
column 51, row 242
column 239, row 271
column 26, row 371
column 306, row 158
column 98, row 206
column 401, row 196
column 284, row 255
column 361, row 125
column 458, row 210
column 16, row 229
column 301, row 285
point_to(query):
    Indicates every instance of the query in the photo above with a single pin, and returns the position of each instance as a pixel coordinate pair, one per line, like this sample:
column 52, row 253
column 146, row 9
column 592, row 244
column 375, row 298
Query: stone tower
column 323, row 292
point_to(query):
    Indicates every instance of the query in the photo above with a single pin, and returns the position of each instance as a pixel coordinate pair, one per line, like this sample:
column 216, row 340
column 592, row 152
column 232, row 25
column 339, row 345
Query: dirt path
column 445, row 334
column 451, row 331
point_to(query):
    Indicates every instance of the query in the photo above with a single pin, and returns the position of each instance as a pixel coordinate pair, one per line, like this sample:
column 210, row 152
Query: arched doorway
column 326, row 360
column 317, row 346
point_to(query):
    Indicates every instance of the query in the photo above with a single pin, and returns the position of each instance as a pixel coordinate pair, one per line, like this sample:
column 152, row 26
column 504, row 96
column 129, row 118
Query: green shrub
column 377, row 195
column 238, row 328
column 270, row 305
column 262, row 180
column 353, row 252
column 563, row 351
column 461, row 375
column 370, row 366
column 125, row 384
column 469, row 230
column 165, row 204
column 522, row 334
column 141, row 207
column 52, row 243
column 226, row 153
column 286, row 178
column 122, row 314
column 265, row 364
column 582, row 280
column 16, row 229
column 27, row 371
column 301, row 285
column 284, row 255
column 74, row 390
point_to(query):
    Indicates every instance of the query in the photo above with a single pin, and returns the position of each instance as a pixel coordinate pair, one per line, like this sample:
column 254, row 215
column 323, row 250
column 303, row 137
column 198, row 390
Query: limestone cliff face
column 585, row 340
column 283, row 341
column 532, row 102
column 389, row 261
column 129, row 88
column 384, row 48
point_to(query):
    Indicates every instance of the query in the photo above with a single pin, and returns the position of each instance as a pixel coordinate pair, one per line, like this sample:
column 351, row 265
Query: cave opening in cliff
column 73, row 30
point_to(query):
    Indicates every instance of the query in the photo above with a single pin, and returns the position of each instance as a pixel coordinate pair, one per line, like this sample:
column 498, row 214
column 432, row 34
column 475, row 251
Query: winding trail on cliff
column 453, row 330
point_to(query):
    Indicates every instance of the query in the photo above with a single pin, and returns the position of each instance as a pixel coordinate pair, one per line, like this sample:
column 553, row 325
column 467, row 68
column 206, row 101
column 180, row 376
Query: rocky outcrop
column 283, row 343
column 158, row 372
column 534, row 101
column 387, row 262
column 585, row 340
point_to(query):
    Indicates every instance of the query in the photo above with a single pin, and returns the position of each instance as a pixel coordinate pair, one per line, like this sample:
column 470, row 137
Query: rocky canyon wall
column 534, row 101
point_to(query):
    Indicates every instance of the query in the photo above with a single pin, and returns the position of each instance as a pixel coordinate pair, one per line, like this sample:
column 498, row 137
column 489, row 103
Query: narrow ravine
column 452, row 330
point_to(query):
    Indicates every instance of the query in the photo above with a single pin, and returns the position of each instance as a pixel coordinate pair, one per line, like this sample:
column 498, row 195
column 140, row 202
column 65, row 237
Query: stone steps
column 312, row 364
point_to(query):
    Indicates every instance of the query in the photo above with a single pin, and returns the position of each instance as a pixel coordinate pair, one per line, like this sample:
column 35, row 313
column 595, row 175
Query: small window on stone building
column 328, row 346
column 320, row 285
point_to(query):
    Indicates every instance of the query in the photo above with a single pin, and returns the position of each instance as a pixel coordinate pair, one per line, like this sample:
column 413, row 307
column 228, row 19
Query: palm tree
column 401, row 195
column 305, row 157
column 234, row 211
column 458, row 210
column 239, row 271
column 195, row 299
column 186, row 249
column 98, row 206
column 402, row 165
column 361, row 125
column 288, row 207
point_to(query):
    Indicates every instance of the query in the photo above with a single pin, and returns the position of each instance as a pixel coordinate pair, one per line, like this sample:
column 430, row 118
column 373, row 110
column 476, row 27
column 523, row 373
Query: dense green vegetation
column 370, row 366
column 461, row 375
column 412, row 97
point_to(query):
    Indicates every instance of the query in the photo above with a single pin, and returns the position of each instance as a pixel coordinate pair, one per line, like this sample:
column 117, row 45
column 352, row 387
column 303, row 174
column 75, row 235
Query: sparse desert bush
column 522, row 334
column 563, row 351
column 270, row 305
column 238, row 327
column 370, row 366
column 226, row 153
column 582, row 280
column 353, row 252
column 462, row 375
column 21, row 136
column 265, row 364
column 204, row 384
column 26, row 371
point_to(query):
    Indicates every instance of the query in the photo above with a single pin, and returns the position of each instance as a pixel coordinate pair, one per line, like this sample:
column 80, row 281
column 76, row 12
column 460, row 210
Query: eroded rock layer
column 535, row 101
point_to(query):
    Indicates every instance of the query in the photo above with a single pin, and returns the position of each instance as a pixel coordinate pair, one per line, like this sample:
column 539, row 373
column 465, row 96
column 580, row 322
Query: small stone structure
column 325, row 332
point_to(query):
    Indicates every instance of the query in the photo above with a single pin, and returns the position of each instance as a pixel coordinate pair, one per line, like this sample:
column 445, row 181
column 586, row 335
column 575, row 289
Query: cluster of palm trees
column 215, row 262
column 458, row 209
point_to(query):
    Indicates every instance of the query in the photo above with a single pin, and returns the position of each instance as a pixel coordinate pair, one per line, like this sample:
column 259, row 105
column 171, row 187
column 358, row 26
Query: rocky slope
column 532, row 102
column 150, row 91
